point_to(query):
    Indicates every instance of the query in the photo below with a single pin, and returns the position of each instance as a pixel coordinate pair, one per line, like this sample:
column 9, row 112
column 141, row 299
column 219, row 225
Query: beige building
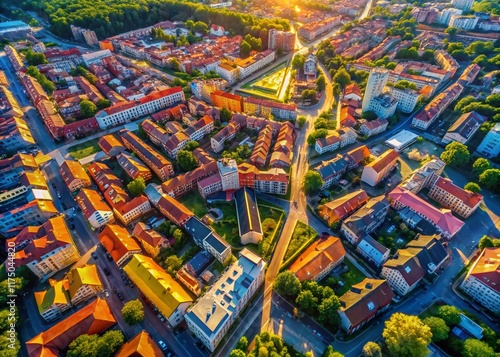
column 377, row 170
column 151, row 240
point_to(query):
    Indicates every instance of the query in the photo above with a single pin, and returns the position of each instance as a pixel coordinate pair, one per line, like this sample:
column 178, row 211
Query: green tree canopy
column 438, row 327
column 103, row 103
column 372, row 349
column 35, row 58
column 312, row 182
column 328, row 311
column 490, row 179
column 287, row 284
column 298, row 61
column 456, row 154
column 321, row 83
column 96, row 346
column 245, row 49
column 191, row 145
column 450, row 314
column 187, row 161
column 173, row 263
column 136, row 187
column 225, row 115
column 472, row 187
column 133, row 312
column 488, row 242
column 87, row 109
column 407, row 336
column 307, row 302
column 476, row 348
column 480, row 166
column 342, row 77
column 242, row 343
column 317, row 134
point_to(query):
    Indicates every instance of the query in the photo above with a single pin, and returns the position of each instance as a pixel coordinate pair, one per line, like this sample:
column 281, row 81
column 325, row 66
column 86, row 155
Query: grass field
column 265, row 247
column 227, row 227
column 195, row 203
column 302, row 233
column 349, row 278
column 85, row 149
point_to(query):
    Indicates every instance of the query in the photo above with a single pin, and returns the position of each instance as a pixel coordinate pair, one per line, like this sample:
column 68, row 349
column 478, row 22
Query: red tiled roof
column 471, row 199
column 117, row 241
column 487, row 268
column 384, row 160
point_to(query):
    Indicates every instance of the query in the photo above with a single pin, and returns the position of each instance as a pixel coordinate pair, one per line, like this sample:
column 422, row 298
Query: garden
column 195, row 203
column 269, row 85
column 301, row 235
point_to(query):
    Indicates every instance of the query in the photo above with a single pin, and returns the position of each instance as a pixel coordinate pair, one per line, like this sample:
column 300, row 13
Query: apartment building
column 207, row 239
column 375, row 86
column 214, row 314
column 111, row 145
column 45, row 249
column 460, row 201
column 482, row 281
column 467, row 23
column 425, row 176
column 94, row 208
column 133, row 167
column 167, row 295
column 152, row 241
column 378, row 169
column 407, row 98
column 337, row 140
column 251, row 64
column 32, row 213
column 168, row 206
column 160, row 166
column 281, row 40
column 331, row 171
column 14, row 135
column 490, row 146
column 118, row 243
column 231, row 102
column 443, row 220
column 374, row 252
column 247, row 213
column 374, row 127
column 74, row 175
column 187, row 182
column 202, row 89
column 319, row 259
column 403, row 273
column 127, row 111
column 199, row 129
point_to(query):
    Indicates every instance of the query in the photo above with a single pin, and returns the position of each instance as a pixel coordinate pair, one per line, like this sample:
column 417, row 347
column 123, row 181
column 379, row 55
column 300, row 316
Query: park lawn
column 302, row 233
column 85, row 149
column 265, row 246
column 350, row 278
column 227, row 227
column 195, row 203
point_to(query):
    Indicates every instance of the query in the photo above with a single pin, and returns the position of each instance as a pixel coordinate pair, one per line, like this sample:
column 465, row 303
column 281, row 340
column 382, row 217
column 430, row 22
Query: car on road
column 160, row 316
column 162, row 345
column 120, row 296
column 71, row 219
column 115, row 291
column 94, row 255
column 106, row 294
column 107, row 272
column 109, row 257
column 59, row 195
column 54, row 185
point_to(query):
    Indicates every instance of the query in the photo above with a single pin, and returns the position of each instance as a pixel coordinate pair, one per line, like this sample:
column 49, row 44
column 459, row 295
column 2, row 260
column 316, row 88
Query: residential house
column 319, row 259
column 374, row 127
column 339, row 139
column 151, row 240
column 207, row 239
column 133, row 167
column 331, row 171
column 342, row 207
column 372, row 250
column 35, row 212
column 94, row 208
column 175, row 211
column 247, row 212
column 464, row 128
column 425, row 176
column 141, row 345
column 363, row 302
column 110, row 145
column 119, row 244
column 199, row 129
column 92, row 319
column 74, row 175
column 403, row 273
column 378, row 169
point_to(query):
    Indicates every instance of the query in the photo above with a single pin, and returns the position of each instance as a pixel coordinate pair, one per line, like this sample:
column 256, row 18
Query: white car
column 162, row 345
column 106, row 294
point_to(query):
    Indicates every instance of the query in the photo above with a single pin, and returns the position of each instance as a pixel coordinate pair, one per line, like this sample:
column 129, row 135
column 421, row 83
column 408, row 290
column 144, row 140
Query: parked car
column 94, row 255
column 64, row 207
column 162, row 345
column 107, row 272
column 53, row 185
column 106, row 294
column 120, row 296
column 160, row 316
column 59, row 195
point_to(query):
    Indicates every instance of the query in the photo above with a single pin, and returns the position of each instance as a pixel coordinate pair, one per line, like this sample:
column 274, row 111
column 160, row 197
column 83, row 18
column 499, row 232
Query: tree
column 372, row 349
column 480, row 166
column 476, row 348
column 109, row 343
column 472, row 187
column 486, row 242
column 406, row 335
column 451, row 31
column 187, row 161
column 342, row 77
column 178, row 235
column 192, row 145
column 450, row 314
column 225, row 115
column 491, row 179
column 103, row 103
column 287, row 284
column 302, row 120
column 133, row 312
column 174, row 64
column 330, row 352
column 456, row 154
column 317, row 134
column 95, row 346
column 35, row 58
column 237, row 353
column 328, row 311
column 83, row 346
column 136, row 187
column 87, row 109
column 242, row 344
column 438, row 327
column 321, row 83
column 307, row 302
column 245, row 49
column 312, row 181
column 298, row 61
column 173, row 263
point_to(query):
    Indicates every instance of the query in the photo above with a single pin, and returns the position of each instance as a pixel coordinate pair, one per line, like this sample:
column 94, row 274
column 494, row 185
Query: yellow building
column 159, row 288
column 54, row 301
column 83, row 283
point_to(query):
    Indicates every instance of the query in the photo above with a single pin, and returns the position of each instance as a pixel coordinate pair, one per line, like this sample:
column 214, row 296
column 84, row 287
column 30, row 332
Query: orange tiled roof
column 141, row 345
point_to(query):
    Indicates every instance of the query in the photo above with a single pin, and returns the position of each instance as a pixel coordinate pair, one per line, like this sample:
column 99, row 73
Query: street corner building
column 141, row 345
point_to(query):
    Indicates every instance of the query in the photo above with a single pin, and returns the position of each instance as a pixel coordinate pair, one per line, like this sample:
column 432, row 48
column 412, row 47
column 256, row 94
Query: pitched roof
column 317, row 257
column 429, row 250
column 177, row 211
column 92, row 319
column 467, row 124
column 90, row 201
column 383, row 160
column 345, row 205
column 487, row 268
column 150, row 236
column 108, row 142
column 73, row 170
column 157, row 285
column 247, row 211
column 117, row 241
column 372, row 248
column 367, row 214
column 55, row 295
column 356, row 156
column 365, row 299
column 408, row 265
column 78, row 277
column 141, row 345
column 470, row 199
